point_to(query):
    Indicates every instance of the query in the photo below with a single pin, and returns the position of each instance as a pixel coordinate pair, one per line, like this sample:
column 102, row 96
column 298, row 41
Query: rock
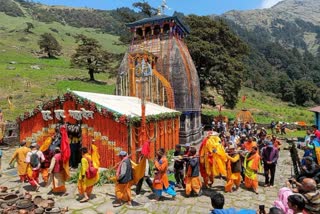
column 72, row 204
column 107, row 207
column 12, row 62
column 88, row 211
column 35, row 67
column 136, row 212
column 11, row 68
column 97, row 199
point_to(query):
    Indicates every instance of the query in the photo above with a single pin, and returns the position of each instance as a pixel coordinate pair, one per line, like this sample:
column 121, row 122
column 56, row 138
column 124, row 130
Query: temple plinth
column 174, row 82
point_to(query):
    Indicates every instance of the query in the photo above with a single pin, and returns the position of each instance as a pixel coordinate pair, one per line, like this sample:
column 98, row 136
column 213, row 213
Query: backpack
column 34, row 160
column 91, row 171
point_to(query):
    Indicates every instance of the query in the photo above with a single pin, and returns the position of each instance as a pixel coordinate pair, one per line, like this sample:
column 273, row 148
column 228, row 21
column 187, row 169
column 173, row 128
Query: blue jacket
column 233, row 211
column 224, row 211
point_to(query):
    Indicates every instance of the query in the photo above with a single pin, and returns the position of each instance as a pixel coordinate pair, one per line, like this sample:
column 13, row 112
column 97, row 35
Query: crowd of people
column 51, row 161
column 236, row 154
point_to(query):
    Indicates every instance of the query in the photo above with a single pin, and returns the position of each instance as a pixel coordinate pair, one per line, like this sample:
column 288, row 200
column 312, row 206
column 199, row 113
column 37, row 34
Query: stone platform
column 103, row 196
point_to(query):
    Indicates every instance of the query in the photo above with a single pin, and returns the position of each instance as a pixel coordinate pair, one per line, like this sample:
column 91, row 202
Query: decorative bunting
column 46, row 115
column 59, row 114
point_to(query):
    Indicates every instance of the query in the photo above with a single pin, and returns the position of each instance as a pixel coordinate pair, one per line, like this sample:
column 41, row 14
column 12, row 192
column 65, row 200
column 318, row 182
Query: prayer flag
column 244, row 98
column 65, row 150
column 11, row 106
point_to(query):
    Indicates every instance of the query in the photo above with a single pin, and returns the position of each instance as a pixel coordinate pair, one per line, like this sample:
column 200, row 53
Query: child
column 193, row 182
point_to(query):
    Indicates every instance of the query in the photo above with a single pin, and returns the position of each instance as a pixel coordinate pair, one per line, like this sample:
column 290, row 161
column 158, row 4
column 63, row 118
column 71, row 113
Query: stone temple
column 171, row 78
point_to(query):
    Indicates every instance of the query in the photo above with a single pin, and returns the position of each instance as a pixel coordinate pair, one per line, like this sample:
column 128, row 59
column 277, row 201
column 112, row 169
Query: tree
column 305, row 91
column 286, row 88
column 145, row 8
column 29, row 27
column 217, row 53
column 90, row 55
column 49, row 45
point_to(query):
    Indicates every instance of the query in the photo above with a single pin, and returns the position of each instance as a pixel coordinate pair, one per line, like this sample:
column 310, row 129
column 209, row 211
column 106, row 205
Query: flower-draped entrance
column 112, row 131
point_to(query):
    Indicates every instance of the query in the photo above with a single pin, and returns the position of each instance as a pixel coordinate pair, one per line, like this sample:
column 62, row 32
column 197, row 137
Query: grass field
column 264, row 109
column 29, row 87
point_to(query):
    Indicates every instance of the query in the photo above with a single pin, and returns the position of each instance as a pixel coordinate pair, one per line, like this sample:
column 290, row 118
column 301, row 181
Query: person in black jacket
column 192, row 180
column 270, row 156
column 178, row 167
column 124, row 177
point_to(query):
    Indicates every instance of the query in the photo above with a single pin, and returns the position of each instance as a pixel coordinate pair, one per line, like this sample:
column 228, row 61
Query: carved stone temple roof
column 158, row 19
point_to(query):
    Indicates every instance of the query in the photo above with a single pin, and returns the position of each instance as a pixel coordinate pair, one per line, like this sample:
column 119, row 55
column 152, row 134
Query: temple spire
column 163, row 6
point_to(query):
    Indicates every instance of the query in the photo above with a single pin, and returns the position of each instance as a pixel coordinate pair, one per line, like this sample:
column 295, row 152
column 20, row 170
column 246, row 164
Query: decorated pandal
column 112, row 121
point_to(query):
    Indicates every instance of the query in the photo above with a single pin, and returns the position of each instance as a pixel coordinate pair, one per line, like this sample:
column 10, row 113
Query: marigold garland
column 123, row 119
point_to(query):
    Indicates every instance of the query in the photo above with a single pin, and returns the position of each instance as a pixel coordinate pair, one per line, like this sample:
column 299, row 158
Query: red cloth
column 58, row 166
column 244, row 98
column 34, row 180
column 65, row 148
column 146, row 149
column 202, row 166
column 317, row 133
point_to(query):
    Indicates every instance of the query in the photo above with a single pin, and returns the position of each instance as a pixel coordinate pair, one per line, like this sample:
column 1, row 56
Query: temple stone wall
column 175, row 64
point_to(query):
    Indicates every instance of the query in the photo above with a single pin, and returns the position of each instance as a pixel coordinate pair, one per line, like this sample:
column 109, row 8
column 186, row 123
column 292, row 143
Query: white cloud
column 269, row 3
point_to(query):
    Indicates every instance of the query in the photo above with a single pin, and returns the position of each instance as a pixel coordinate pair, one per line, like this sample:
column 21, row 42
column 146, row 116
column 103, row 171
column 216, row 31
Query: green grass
column 264, row 109
column 29, row 87
column 85, row 86
column 13, row 33
column 293, row 134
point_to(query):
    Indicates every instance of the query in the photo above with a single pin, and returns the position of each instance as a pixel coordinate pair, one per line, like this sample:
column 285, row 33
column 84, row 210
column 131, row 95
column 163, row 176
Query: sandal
column 117, row 204
column 84, row 200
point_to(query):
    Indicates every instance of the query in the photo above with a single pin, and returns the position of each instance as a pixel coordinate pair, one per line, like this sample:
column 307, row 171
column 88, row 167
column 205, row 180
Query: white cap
column 33, row 145
column 122, row 153
column 214, row 133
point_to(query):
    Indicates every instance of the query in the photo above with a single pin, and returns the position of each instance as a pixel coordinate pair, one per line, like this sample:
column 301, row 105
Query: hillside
column 264, row 108
column 284, row 49
column 30, row 80
column 49, row 77
column 108, row 21
column 299, row 18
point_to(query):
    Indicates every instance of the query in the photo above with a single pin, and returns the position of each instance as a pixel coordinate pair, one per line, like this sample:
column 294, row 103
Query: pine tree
column 49, row 45
column 89, row 55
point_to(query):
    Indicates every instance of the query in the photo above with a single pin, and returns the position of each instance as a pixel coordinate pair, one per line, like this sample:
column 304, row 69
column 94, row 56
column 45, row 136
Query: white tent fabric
column 130, row 106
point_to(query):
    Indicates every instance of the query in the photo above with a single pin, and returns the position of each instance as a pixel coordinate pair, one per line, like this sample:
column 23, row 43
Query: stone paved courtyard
column 104, row 195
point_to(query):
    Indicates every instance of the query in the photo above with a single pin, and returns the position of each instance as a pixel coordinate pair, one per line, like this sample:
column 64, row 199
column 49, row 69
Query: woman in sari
column 57, row 173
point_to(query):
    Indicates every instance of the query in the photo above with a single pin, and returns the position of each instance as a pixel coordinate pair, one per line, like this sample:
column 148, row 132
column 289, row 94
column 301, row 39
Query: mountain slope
column 293, row 23
column 29, row 79
column 306, row 10
column 284, row 49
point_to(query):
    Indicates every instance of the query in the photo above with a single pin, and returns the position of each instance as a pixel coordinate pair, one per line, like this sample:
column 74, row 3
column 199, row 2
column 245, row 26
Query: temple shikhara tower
column 158, row 68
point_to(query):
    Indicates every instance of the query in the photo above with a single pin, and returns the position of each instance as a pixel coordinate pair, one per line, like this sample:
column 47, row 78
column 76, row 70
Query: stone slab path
column 103, row 196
